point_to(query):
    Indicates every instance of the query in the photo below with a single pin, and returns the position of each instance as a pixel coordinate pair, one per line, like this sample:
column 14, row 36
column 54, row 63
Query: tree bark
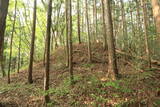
column 47, row 66
column 156, row 14
column 104, row 25
column 11, row 42
column 3, row 15
column 70, row 40
column 88, row 30
column 112, row 70
column 67, row 45
column 138, row 15
column 95, row 18
column 19, row 51
column 146, row 32
column 124, row 25
column 78, row 22
column 30, row 68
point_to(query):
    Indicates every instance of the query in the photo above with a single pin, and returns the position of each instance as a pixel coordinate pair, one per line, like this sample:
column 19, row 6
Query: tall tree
column 48, row 37
column 3, row 14
column 104, row 25
column 67, row 45
column 11, row 42
column 156, row 14
column 70, row 40
column 30, row 68
column 78, row 22
column 95, row 18
column 138, row 15
column 112, row 70
column 19, row 48
column 88, row 31
column 124, row 25
column 146, row 32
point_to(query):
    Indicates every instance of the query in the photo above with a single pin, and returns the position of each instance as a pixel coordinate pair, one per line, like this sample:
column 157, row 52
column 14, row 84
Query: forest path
column 89, row 87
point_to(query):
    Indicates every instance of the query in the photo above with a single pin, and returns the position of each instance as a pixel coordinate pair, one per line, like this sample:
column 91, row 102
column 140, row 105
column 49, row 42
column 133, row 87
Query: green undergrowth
column 89, row 90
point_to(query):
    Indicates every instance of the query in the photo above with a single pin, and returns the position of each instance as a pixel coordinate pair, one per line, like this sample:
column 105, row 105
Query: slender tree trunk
column 70, row 40
column 124, row 25
column 112, row 70
column 88, row 30
column 95, row 17
column 138, row 15
column 96, row 24
column 146, row 32
column 83, row 14
column 11, row 42
column 104, row 25
column 78, row 22
column 44, row 54
column 3, row 14
column 67, row 45
column 48, row 36
column 156, row 14
column 132, row 22
column 19, row 53
column 30, row 68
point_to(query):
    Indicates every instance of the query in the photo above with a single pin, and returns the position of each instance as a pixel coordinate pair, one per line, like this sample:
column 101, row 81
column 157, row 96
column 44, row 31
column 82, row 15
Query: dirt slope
column 134, row 87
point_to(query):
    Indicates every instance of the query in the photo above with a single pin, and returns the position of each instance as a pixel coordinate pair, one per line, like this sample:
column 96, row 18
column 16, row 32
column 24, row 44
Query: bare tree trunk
column 67, row 45
column 124, row 25
column 78, row 22
column 19, row 52
column 11, row 42
column 138, row 15
column 112, row 70
column 95, row 17
column 146, row 32
column 104, row 26
column 156, row 14
column 3, row 14
column 88, row 30
column 48, row 36
column 70, row 40
column 132, row 22
column 30, row 68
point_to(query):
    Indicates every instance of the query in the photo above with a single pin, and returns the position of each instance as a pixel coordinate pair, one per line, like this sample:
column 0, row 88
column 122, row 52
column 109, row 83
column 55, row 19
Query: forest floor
column 136, row 87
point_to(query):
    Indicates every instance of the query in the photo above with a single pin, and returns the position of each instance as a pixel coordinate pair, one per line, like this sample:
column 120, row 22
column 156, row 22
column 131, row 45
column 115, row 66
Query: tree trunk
column 67, row 45
column 88, row 30
column 19, row 52
column 146, row 32
column 11, row 42
column 3, row 14
column 112, row 70
column 124, row 25
column 30, row 68
column 95, row 18
column 47, row 66
column 104, row 25
column 138, row 15
column 70, row 40
column 78, row 22
column 132, row 22
column 156, row 14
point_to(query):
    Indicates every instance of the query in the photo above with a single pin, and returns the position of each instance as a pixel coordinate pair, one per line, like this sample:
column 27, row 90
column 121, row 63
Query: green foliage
column 157, row 103
column 114, row 84
column 99, row 98
column 117, row 85
column 88, row 65
column 126, row 104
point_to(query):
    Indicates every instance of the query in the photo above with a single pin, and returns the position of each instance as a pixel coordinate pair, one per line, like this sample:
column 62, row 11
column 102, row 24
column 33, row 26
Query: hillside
column 91, row 89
